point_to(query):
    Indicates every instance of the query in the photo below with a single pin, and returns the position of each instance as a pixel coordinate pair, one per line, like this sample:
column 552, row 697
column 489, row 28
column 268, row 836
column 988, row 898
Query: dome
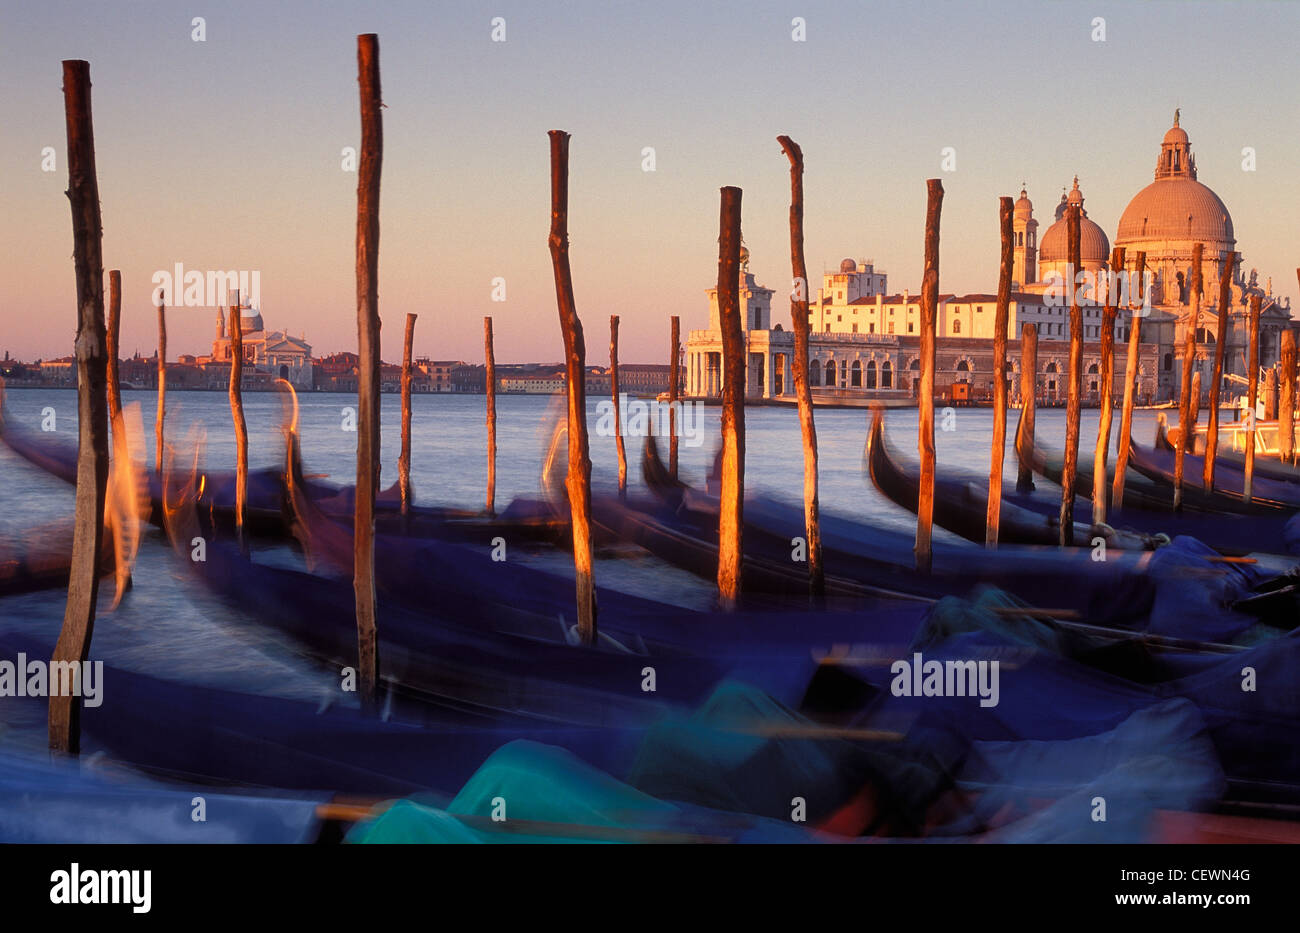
column 1176, row 208
column 1093, row 244
column 250, row 321
column 849, row 265
column 1094, row 247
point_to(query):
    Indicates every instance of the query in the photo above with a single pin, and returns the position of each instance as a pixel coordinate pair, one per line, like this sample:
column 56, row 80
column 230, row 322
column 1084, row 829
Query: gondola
column 1113, row 593
column 961, row 506
column 40, row 558
column 1266, row 465
column 1158, row 464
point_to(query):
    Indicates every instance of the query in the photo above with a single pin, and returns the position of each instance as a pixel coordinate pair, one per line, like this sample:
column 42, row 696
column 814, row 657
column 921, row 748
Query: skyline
column 465, row 188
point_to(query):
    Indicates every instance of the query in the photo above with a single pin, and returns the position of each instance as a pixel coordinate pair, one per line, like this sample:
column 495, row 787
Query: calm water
column 167, row 624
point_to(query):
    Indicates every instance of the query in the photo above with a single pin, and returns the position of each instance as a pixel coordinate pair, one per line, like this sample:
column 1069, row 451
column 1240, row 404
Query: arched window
column 855, row 374
column 871, row 374
column 963, row 367
column 1203, row 335
column 956, row 325
column 886, row 375
column 916, row 366
column 1092, row 370
column 830, row 373
column 1169, row 361
column 815, row 372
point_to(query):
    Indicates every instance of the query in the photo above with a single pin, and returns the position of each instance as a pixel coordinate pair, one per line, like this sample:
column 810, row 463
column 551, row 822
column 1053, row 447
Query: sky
column 227, row 154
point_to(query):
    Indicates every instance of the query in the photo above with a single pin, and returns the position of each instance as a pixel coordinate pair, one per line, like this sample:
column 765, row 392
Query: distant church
column 275, row 353
column 865, row 341
column 1164, row 220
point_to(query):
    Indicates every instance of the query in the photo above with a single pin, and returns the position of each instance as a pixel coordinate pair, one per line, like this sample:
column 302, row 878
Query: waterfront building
column 864, row 341
column 275, row 353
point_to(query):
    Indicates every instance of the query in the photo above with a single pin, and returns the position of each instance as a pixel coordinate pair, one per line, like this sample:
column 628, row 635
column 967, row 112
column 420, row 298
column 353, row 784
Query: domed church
column 1165, row 219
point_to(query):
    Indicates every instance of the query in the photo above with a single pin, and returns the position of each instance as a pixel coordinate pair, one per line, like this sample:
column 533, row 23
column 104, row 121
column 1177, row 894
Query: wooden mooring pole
column 1001, row 321
column 731, row 509
column 1186, row 426
column 674, row 379
column 1073, row 400
column 73, row 645
column 578, row 479
column 368, row 386
column 925, row 398
column 1216, row 379
column 1252, row 396
column 490, row 386
column 1105, row 388
column 799, row 372
column 113, row 348
column 1028, row 393
column 1135, row 316
column 404, row 456
column 618, row 415
column 160, row 417
column 1286, row 399
column 236, row 392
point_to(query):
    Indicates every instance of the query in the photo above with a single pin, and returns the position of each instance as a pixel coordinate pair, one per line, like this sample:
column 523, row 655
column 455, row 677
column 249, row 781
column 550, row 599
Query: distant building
column 865, row 342
column 273, row 352
column 337, row 372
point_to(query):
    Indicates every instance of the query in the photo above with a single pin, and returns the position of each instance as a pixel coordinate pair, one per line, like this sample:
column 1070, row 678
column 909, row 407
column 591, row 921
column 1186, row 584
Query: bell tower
column 1024, row 228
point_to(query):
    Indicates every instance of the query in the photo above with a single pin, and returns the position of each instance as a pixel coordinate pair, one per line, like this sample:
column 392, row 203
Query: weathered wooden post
column 404, row 456
column 799, row 372
column 1252, row 395
column 1185, row 424
column 1216, row 380
column 1270, row 393
column 1000, row 323
column 1106, row 383
column 1286, row 401
column 113, row 348
column 121, row 448
column 618, row 414
column 925, row 400
column 1197, row 394
column 161, row 417
column 1130, row 379
column 1073, row 401
column 578, row 480
column 731, row 509
column 674, row 377
column 490, row 386
column 368, row 325
column 73, row 645
column 236, row 392
column 1028, row 393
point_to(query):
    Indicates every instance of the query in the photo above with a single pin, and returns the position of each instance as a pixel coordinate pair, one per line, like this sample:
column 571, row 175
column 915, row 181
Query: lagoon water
column 168, row 625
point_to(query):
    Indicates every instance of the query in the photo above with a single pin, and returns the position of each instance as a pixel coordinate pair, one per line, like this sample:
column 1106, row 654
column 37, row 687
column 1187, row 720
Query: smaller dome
column 1093, row 245
column 1023, row 204
column 849, row 265
column 1176, row 134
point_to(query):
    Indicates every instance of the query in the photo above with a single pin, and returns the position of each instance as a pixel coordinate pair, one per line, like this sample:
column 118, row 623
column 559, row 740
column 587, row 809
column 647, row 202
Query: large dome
column 1176, row 208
